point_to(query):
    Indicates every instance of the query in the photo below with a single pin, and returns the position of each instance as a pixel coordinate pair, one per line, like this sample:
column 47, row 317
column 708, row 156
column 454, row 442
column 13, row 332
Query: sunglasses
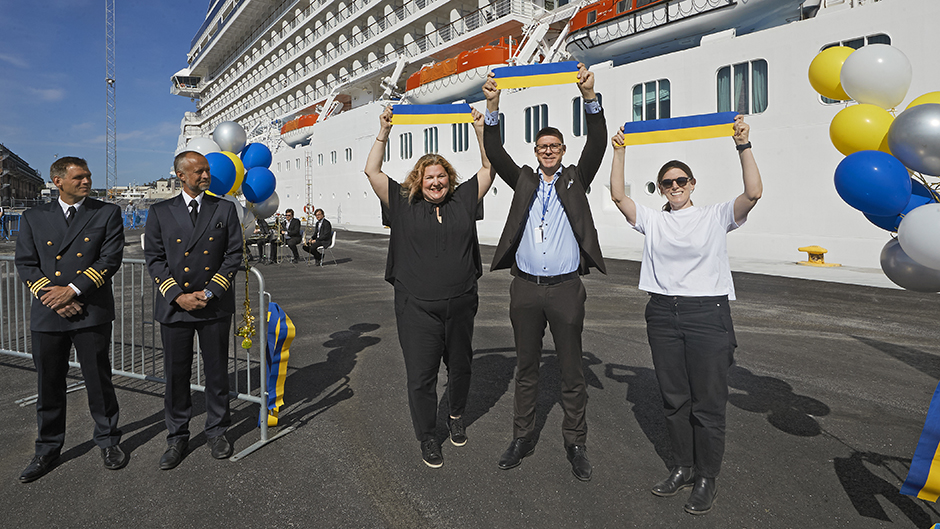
column 667, row 182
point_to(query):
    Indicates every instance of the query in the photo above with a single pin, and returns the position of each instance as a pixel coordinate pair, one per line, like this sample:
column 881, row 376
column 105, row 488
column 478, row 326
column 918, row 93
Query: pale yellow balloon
column 861, row 128
column 825, row 70
column 929, row 97
column 239, row 172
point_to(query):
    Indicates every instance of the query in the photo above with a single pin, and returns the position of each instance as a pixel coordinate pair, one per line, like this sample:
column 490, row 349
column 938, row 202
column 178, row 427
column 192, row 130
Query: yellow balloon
column 930, row 97
column 825, row 70
column 239, row 172
column 861, row 128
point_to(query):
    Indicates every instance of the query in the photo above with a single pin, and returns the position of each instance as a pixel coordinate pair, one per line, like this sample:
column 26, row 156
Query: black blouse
column 434, row 260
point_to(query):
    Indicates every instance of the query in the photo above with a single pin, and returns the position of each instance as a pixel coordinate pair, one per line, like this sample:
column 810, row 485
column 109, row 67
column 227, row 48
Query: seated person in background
column 321, row 238
column 262, row 235
column 292, row 236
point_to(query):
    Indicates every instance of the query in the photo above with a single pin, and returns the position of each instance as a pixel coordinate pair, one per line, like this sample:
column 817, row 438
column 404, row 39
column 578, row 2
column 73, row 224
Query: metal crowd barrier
column 136, row 346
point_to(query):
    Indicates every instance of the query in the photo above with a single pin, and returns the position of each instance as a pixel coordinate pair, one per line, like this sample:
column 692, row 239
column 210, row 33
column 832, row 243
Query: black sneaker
column 458, row 434
column 431, row 453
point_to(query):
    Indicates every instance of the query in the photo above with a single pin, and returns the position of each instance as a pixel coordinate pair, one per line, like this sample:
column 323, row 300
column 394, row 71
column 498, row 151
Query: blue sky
column 52, row 88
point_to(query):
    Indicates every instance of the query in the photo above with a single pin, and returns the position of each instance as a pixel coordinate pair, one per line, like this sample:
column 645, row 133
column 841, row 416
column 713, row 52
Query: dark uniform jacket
column 325, row 235
column 86, row 254
column 571, row 188
column 183, row 259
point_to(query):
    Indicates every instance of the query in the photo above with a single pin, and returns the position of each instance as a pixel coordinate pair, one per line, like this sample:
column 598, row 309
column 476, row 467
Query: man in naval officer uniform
column 193, row 247
column 66, row 252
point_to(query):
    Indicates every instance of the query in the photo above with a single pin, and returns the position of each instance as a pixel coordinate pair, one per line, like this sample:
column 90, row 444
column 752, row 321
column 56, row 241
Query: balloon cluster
column 245, row 173
column 888, row 155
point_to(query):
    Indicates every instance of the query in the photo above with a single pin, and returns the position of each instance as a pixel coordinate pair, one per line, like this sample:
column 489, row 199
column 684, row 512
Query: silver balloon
column 906, row 272
column 242, row 211
column 263, row 210
column 230, row 136
column 202, row 145
column 914, row 138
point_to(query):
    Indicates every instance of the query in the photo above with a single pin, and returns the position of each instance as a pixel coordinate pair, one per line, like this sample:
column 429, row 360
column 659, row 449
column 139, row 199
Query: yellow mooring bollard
column 815, row 256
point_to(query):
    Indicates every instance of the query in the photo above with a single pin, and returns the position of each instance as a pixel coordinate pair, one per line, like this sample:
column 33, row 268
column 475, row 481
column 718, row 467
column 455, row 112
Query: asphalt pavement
column 828, row 397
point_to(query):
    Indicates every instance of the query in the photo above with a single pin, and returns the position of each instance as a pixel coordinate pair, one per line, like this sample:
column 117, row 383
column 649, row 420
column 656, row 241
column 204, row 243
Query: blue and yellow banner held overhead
column 431, row 114
column 528, row 75
column 699, row 127
column 280, row 335
column 923, row 479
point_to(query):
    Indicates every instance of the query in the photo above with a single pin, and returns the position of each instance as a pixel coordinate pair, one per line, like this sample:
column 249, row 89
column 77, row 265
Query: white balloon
column 202, row 145
column 230, row 136
column 918, row 235
column 877, row 74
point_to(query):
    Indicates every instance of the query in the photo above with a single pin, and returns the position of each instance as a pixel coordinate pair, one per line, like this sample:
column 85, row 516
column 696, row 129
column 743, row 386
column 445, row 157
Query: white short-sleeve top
column 686, row 252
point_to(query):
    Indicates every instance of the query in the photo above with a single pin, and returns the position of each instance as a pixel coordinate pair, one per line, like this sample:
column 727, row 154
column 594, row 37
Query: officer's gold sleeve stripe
column 39, row 284
column 95, row 276
column 166, row 285
column 220, row 279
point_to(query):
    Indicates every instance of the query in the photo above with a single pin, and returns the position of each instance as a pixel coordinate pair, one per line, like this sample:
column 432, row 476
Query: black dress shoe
column 114, row 457
column 580, row 466
column 38, row 467
column 702, row 497
column 220, row 447
column 173, row 455
column 519, row 448
column 680, row 478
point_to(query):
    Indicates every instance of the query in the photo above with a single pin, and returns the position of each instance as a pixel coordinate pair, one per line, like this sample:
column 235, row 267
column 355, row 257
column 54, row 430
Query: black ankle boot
column 702, row 497
column 680, row 478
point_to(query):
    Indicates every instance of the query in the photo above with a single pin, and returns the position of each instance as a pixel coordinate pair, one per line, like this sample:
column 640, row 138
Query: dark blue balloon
column 223, row 173
column 873, row 182
column 256, row 155
column 259, row 184
column 920, row 195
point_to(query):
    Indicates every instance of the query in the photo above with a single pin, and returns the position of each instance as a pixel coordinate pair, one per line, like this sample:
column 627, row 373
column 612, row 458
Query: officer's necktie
column 70, row 216
column 194, row 211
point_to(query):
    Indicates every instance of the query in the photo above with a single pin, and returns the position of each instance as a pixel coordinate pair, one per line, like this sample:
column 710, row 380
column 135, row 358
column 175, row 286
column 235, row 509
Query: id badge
column 538, row 234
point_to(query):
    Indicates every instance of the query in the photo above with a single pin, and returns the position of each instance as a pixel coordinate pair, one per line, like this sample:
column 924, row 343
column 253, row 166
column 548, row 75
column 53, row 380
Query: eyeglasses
column 667, row 182
column 554, row 147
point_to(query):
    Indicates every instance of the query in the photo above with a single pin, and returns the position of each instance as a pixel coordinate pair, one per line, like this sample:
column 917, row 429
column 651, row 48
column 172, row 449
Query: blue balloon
column 920, row 195
column 259, row 184
column 256, row 155
column 223, row 173
column 873, row 182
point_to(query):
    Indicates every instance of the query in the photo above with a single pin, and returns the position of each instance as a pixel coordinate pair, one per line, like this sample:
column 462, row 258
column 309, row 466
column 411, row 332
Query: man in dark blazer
column 193, row 250
column 322, row 236
column 66, row 253
column 292, row 235
column 548, row 242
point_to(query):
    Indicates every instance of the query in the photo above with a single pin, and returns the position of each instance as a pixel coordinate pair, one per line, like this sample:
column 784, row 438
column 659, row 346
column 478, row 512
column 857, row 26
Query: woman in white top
column 688, row 321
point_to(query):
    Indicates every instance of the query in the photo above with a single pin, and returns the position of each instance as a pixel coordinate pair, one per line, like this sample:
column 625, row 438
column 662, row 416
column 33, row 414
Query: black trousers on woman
column 692, row 341
column 430, row 331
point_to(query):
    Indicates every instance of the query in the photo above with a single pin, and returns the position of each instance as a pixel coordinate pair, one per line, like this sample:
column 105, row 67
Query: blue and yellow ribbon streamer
column 280, row 335
column 528, row 75
column 923, row 479
column 431, row 114
column 699, row 127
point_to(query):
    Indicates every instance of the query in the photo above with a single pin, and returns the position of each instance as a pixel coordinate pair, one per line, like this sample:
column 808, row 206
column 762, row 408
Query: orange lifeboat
column 458, row 77
column 298, row 131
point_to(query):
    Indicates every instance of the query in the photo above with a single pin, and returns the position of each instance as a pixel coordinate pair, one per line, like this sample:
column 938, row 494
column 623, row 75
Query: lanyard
column 545, row 200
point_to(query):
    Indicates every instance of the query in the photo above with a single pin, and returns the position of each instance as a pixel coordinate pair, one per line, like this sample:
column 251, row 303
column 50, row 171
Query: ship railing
column 646, row 18
column 136, row 350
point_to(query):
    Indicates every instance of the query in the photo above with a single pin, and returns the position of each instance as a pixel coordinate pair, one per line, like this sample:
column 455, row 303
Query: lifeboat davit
column 458, row 77
column 298, row 131
column 630, row 30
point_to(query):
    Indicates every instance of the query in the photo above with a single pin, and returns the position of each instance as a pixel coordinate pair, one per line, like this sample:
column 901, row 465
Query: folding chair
column 330, row 249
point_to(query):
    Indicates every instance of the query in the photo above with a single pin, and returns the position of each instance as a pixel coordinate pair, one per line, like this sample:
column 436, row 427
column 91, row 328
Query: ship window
column 460, row 133
column 856, row 43
column 622, row 6
column 579, row 116
column 592, row 17
column 348, row 154
column 388, row 151
column 430, row 140
column 320, row 159
column 297, row 163
column 536, row 117
column 502, row 129
column 652, row 100
column 287, row 163
column 405, row 147
column 279, row 167
column 641, row 3
column 333, row 157
column 742, row 87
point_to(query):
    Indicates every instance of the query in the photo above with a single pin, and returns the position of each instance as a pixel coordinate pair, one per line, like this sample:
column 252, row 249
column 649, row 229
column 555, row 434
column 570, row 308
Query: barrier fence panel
column 136, row 346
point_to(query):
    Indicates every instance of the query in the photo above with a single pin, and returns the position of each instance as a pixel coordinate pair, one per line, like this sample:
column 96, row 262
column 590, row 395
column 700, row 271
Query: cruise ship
column 309, row 78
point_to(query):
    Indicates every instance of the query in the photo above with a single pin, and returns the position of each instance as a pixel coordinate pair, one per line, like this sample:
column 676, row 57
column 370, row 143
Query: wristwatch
column 208, row 294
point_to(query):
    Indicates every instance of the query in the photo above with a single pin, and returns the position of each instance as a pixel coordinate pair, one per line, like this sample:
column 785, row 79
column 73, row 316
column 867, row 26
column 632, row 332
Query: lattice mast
column 111, row 172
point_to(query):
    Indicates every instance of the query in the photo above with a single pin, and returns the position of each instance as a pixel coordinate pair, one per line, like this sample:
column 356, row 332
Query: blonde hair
column 411, row 187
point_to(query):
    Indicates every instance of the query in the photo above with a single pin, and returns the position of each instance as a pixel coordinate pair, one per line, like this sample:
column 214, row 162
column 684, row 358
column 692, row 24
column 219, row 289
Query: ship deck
column 828, row 398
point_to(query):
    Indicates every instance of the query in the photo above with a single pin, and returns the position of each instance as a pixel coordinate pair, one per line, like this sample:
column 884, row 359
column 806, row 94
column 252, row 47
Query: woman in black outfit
column 434, row 263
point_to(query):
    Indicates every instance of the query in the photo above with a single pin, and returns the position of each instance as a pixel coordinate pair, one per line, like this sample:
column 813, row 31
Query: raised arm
column 753, row 188
column 595, row 144
column 485, row 174
column 373, row 170
column 492, row 143
column 625, row 204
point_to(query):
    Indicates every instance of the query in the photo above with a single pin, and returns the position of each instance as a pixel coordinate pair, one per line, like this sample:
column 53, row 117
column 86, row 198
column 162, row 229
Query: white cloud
column 48, row 94
column 15, row 61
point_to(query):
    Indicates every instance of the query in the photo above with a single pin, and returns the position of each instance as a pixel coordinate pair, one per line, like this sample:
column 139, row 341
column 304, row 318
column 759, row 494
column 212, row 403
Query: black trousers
column 561, row 306
column 692, row 341
column 314, row 249
column 292, row 243
column 177, row 367
column 431, row 331
column 51, row 356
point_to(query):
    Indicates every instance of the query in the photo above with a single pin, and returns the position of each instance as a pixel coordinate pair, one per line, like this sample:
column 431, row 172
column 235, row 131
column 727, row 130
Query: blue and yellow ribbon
column 923, row 479
column 431, row 114
column 699, row 127
column 528, row 75
column 280, row 335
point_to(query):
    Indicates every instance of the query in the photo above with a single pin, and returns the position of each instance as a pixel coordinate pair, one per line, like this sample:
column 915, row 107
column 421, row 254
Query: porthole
column 651, row 188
